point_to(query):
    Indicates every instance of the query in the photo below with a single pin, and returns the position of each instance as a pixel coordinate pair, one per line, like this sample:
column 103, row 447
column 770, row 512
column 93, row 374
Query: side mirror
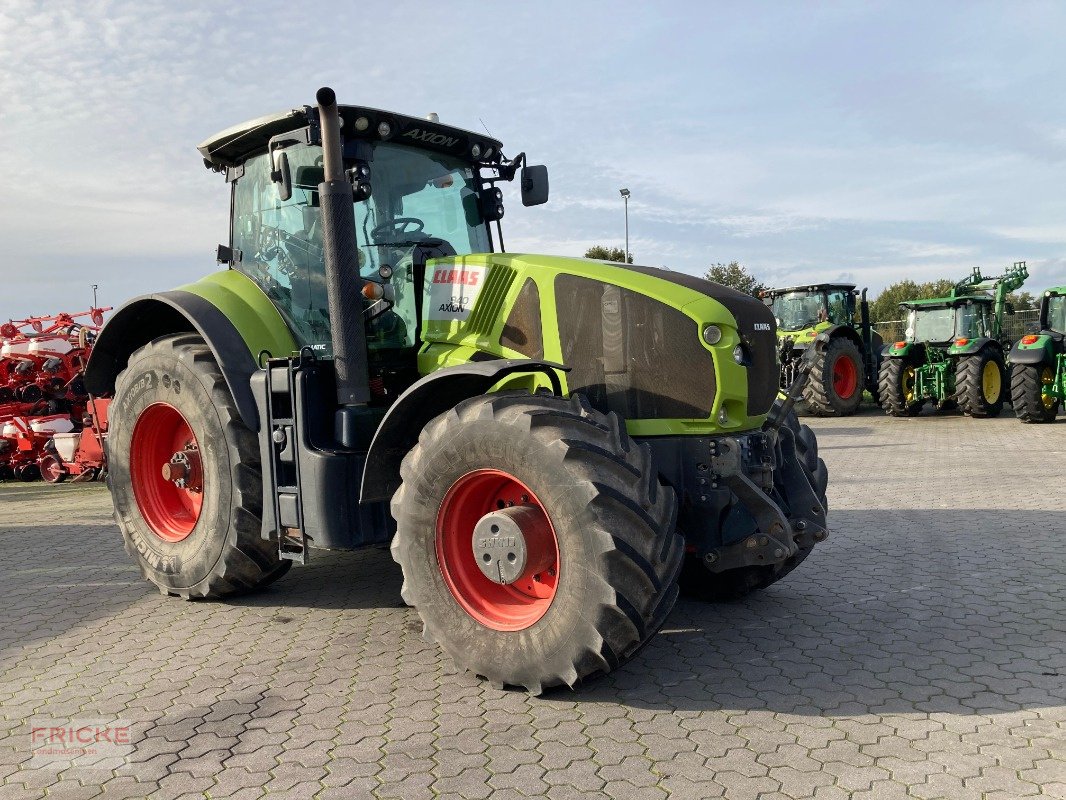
column 1010, row 308
column 281, row 175
column 534, row 185
column 768, row 301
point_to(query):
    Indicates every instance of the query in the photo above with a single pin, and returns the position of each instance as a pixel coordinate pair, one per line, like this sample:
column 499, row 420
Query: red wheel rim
column 170, row 510
column 845, row 377
column 502, row 607
column 51, row 469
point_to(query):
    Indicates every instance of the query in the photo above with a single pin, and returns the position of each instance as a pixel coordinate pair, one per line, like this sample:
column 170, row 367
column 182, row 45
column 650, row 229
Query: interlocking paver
column 919, row 653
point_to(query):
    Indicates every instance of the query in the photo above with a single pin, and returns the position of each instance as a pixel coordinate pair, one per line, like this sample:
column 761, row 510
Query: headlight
column 712, row 334
column 384, row 130
column 475, row 151
column 740, row 355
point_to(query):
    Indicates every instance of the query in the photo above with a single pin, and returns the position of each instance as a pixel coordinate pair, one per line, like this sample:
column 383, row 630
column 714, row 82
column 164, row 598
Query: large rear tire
column 981, row 383
column 184, row 475
column 836, row 383
column 734, row 584
column 595, row 533
column 895, row 382
column 1027, row 393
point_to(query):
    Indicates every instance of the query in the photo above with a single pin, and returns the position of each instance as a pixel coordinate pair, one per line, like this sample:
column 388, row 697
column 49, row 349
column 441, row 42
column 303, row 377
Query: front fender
column 1043, row 349
column 234, row 317
column 429, row 397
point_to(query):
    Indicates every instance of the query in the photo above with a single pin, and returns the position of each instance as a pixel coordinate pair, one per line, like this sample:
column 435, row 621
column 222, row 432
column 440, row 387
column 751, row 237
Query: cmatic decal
column 453, row 292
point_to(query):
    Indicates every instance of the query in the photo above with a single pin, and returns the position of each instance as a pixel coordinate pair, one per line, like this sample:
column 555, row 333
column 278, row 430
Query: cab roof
column 234, row 145
column 947, row 302
column 813, row 287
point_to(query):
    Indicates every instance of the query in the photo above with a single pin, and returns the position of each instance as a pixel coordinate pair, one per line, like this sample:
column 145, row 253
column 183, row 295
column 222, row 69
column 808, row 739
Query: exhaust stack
column 343, row 284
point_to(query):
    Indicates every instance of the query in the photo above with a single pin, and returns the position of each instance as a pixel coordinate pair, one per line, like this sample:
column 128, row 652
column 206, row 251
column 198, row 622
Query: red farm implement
column 42, row 360
column 77, row 455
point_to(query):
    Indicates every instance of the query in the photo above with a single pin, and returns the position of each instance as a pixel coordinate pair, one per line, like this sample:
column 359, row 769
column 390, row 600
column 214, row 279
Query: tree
column 735, row 277
column 601, row 253
column 1023, row 301
column 886, row 307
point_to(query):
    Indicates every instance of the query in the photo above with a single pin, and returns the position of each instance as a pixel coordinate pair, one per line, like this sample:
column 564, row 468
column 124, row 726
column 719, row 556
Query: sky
column 868, row 142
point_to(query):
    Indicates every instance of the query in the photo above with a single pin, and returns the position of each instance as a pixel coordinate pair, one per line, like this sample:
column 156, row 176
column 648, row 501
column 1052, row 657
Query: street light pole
column 625, row 199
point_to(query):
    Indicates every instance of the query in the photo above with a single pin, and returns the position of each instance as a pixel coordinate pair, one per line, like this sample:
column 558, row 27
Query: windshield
column 798, row 310
column 418, row 198
column 1056, row 313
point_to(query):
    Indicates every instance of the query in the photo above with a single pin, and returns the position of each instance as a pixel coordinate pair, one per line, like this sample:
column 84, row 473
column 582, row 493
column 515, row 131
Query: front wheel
column 980, row 382
column 184, row 475
column 536, row 540
column 1031, row 386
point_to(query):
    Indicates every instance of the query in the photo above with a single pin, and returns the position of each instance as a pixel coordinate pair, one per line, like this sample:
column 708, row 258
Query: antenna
column 483, row 125
column 95, row 287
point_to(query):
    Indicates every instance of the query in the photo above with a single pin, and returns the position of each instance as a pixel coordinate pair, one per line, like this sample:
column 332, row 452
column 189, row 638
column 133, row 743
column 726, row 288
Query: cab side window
column 281, row 240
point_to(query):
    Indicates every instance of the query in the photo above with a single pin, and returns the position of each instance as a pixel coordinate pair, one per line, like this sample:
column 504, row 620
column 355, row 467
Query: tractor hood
column 648, row 343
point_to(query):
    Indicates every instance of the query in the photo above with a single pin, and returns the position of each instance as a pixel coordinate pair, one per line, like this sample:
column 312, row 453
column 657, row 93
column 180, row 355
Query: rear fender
column 911, row 350
column 1043, row 349
column 234, row 317
column 972, row 346
column 429, row 397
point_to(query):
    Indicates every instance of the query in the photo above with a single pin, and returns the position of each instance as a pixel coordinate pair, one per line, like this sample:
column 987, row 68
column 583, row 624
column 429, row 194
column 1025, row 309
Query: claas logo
column 456, row 276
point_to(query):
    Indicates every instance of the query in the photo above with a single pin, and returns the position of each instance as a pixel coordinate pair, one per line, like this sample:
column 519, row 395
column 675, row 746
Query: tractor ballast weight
column 819, row 320
column 550, row 444
column 953, row 350
column 1038, row 363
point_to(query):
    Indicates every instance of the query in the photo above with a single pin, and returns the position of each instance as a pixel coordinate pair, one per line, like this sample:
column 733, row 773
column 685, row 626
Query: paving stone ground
column 920, row 652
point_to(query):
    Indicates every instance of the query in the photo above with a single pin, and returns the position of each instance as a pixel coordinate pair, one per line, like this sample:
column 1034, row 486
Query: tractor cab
column 944, row 320
column 422, row 190
column 1053, row 311
column 798, row 308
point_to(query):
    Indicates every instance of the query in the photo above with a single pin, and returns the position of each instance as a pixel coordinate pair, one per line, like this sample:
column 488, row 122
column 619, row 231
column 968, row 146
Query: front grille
column 631, row 354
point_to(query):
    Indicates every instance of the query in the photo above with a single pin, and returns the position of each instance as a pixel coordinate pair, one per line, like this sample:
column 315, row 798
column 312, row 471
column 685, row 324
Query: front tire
column 596, row 536
column 980, row 383
column 895, row 381
column 1027, row 384
column 836, row 383
column 184, row 475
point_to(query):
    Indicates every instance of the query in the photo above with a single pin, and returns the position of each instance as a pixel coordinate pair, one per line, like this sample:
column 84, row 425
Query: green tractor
column 548, row 443
column 819, row 322
column 1038, row 363
column 953, row 350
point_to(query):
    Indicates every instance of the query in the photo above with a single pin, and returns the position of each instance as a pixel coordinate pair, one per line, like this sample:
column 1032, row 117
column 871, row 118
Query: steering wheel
column 397, row 229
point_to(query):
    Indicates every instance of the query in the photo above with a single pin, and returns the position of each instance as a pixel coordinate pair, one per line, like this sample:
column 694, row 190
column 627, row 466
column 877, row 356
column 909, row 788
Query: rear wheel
column 836, row 383
column 1031, row 386
column 895, row 383
column 980, row 383
column 184, row 475
column 535, row 538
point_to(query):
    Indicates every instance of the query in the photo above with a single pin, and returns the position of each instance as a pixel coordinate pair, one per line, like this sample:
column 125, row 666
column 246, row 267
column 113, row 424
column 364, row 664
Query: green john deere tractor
column 846, row 353
column 1038, row 363
column 547, row 442
column 953, row 350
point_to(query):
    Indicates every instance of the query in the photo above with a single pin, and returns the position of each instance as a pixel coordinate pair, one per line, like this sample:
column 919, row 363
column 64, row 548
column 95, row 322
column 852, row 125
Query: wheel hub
column 500, row 543
column 184, row 471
